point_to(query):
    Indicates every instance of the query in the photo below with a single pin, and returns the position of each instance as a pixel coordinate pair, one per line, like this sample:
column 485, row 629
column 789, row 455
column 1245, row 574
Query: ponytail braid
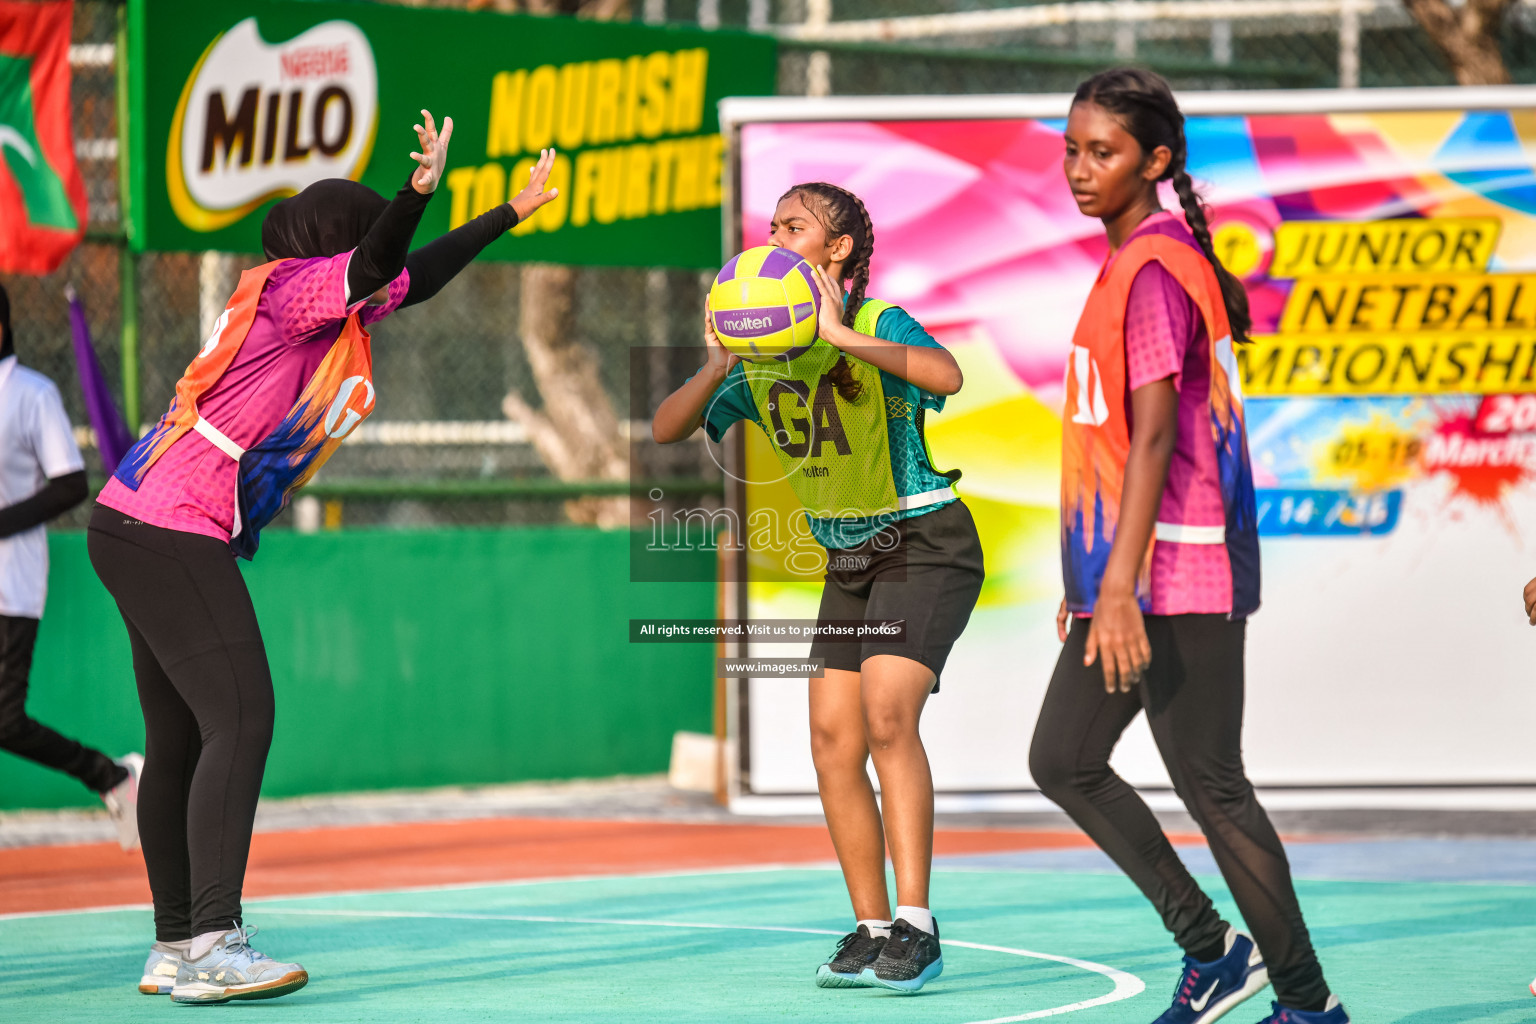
column 843, row 213
column 1144, row 105
column 1233, row 295
column 858, row 277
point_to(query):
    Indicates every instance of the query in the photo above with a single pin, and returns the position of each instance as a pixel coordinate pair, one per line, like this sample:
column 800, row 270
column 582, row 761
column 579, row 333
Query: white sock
column 876, row 928
column 203, row 944
column 917, row 917
column 179, row 948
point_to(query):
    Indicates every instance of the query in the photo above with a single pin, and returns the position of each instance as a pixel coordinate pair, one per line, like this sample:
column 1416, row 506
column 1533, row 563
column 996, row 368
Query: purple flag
column 112, row 436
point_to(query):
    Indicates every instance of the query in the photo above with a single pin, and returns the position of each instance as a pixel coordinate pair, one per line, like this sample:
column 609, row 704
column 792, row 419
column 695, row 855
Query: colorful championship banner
column 1390, row 259
column 42, row 196
column 237, row 105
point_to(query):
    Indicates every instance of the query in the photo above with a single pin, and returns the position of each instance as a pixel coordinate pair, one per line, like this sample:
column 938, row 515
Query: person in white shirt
column 42, row 476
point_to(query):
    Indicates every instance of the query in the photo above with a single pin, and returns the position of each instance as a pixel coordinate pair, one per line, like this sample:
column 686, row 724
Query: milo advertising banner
column 236, row 105
column 1387, row 241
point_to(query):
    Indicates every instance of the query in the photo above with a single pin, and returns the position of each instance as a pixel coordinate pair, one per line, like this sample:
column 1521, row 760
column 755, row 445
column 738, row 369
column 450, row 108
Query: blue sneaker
column 1332, row 1013
column 233, row 970
column 160, row 970
column 1206, row 991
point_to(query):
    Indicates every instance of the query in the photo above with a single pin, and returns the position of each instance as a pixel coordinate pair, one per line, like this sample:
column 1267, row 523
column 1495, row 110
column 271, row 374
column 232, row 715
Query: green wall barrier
column 407, row 659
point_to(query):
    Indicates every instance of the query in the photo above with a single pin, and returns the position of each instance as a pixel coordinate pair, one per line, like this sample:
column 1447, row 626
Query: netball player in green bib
column 846, row 421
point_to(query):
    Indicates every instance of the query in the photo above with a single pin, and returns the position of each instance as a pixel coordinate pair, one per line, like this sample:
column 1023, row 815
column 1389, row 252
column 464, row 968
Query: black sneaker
column 911, row 958
column 855, row 952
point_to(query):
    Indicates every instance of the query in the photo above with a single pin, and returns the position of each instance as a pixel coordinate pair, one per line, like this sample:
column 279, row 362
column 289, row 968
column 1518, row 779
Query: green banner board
column 236, row 105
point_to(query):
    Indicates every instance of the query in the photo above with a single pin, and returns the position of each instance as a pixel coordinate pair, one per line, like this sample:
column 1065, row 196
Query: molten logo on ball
column 746, row 323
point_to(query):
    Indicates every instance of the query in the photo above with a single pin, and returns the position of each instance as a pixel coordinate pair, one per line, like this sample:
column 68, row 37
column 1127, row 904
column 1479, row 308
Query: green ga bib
column 835, row 453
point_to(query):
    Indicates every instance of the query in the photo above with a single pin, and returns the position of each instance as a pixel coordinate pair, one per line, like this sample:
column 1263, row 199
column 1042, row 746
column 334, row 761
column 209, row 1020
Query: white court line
column 739, row 869
column 1126, row 985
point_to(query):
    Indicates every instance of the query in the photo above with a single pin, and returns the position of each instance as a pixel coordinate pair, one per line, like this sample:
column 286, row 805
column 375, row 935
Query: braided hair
column 842, row 213
column 1144, row 105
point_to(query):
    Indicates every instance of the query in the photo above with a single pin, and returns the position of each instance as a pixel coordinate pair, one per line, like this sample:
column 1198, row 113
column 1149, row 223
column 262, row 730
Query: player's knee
column 837, row 745
column 1212, row 786
column 1061, row 773
column 256, row 727
column 885, row 727
column 257, row 711
column 1052, row 772
column 246, row 725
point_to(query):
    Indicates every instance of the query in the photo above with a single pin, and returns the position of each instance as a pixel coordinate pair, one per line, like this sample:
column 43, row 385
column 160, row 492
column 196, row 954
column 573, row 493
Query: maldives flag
column 42, row 197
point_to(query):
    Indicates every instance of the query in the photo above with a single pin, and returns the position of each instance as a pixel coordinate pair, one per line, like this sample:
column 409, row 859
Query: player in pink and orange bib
column 1160, row 553
column 284, row 376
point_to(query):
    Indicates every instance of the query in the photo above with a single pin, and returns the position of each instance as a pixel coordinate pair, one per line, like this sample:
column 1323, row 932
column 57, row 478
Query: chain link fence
column 441, row 449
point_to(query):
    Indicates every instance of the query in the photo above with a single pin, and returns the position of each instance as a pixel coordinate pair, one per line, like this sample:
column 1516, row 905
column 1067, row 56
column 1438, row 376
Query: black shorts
column 926, row 570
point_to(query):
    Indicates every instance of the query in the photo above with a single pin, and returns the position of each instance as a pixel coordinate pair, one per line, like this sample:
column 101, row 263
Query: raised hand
column 721, row 359
column 829, row 322
column 433, row 157
column 533, row 194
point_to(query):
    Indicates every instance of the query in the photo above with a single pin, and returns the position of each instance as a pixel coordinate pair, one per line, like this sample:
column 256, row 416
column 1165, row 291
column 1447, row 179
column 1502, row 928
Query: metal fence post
column 1349, row 44
column 128, row 260
column 1221, row 42
column 818, row 64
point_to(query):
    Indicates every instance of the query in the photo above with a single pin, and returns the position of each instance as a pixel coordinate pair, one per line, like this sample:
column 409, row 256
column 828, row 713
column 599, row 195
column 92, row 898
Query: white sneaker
column 122, row 802
column 159, row 971
column 233, row 970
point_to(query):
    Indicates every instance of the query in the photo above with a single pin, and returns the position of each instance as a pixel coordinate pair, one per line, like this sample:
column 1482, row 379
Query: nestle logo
column 747, row 323
column 315, row 62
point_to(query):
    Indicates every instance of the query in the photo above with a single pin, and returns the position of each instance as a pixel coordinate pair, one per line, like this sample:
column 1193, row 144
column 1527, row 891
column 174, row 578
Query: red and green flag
column 42, row 196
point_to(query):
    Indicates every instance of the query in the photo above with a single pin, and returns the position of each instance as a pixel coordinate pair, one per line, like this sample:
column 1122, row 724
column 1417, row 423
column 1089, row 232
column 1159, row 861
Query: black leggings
column 1193, row 697
column 206, row 692
column 25, row 736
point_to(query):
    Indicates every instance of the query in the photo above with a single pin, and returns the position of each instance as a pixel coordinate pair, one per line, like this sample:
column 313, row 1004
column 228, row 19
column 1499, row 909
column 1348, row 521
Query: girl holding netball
column 900, row 545
column 1161, row 557
column 283, row 378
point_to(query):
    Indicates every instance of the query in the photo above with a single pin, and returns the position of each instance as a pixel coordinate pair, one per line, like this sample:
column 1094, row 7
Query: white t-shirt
column 36, row 443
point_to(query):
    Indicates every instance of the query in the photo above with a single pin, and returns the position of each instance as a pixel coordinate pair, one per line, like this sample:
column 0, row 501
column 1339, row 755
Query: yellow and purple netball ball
column 764, row 303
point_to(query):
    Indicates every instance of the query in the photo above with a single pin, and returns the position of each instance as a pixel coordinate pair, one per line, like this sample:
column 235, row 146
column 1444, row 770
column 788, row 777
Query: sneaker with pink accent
column 1207, row 991
column 122, row 802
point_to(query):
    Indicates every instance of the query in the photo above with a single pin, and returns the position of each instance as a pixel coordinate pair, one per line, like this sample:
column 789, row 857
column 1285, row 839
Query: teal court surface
column 1409, row 931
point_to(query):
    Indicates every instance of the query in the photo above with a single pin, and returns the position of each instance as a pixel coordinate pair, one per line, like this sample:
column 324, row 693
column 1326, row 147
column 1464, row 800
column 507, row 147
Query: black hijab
column 326, row 219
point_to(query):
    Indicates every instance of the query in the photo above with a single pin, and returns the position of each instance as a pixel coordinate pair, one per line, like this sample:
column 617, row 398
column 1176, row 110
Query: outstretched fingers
column 433, row 155
column 534, row 195
column 538, row 176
